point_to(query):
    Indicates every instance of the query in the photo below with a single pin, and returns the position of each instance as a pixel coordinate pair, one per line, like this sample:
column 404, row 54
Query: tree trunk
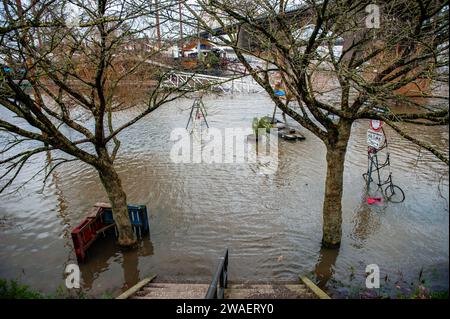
column 332, row 206
column 118, row 199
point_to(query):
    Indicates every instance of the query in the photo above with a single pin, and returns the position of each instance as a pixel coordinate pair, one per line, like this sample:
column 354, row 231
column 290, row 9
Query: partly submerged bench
column 99, row 220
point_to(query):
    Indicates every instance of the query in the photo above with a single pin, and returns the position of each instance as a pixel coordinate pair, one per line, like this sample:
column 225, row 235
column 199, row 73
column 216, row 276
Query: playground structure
column 374, row 177
column 198, row 113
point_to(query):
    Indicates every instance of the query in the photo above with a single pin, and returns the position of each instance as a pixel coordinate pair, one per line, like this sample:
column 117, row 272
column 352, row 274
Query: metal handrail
column 219, row 282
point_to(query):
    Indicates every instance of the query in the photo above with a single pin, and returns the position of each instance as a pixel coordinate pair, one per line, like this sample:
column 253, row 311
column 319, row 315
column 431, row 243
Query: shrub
column 11, row 289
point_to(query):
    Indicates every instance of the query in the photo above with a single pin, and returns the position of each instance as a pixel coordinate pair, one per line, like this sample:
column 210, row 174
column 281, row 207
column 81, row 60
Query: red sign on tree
column 376, row 125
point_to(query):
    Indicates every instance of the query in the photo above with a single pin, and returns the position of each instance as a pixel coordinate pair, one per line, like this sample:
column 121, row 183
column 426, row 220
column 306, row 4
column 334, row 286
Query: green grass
column 439, row 295
column 419, row 288
column 12, row 289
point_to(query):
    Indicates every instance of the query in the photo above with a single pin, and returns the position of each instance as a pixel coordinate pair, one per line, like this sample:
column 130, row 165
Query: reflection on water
column 324, row 269
column 104, row 252
column 367, row 221
column 272, row 224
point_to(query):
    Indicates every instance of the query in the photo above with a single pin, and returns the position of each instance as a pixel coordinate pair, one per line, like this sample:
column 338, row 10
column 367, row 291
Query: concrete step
column 276, row 286
column 176, row 286
column 269, row 291
column 172, row 291
column 233, row 291
column 171, row 295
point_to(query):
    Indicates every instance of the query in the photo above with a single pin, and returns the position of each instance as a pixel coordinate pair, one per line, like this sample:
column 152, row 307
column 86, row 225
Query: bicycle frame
column 374, row 165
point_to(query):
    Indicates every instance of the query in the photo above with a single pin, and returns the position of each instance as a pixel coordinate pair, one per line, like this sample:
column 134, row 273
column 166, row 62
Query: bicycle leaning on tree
column 374, row 184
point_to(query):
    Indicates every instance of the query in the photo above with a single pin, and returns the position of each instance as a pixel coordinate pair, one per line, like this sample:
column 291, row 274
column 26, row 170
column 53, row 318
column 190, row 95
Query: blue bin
column 138, row 217
column 137, row 214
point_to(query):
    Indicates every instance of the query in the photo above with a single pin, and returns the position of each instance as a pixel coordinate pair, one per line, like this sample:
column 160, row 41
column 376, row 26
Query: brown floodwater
column 270, row 223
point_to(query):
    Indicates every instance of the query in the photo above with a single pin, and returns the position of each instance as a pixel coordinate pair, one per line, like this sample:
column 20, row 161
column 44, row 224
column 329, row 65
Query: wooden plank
column 101, row 230
column 317, row 291
column 136, row 288
column 103, row 205
column 93, row 212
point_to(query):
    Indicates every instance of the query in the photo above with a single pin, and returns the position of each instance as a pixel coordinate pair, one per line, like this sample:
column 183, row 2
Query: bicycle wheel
column 394, row 194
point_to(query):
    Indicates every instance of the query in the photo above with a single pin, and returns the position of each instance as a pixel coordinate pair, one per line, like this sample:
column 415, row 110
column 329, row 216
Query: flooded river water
column 270, row 223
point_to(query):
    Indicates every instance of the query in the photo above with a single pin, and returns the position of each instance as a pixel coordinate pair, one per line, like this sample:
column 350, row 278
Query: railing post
column 221, row 288
column 220, row 278
column 226, row 269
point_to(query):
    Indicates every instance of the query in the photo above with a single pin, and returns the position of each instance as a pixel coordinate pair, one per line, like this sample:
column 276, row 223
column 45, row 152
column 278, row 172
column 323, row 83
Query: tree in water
column 66, row 67
column 391, row 55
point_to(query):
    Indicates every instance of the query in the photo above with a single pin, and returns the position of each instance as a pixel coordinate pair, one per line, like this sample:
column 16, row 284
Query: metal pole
column 190, row 115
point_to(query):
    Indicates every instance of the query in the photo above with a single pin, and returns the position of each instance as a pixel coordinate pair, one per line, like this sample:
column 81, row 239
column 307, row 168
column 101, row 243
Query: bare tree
column 378, row 69
column 64, row 58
